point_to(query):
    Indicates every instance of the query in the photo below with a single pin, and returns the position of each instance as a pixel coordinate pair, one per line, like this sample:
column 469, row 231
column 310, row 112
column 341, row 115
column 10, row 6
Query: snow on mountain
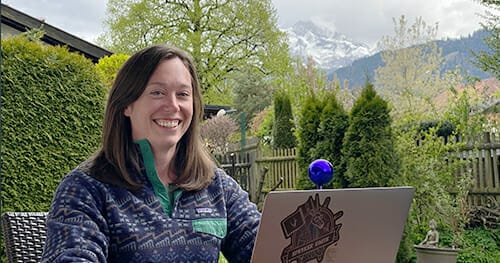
column 329, row 49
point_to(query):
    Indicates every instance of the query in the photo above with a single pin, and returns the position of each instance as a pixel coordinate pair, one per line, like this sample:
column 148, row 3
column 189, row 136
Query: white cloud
column 368, row 20
column 361, row 20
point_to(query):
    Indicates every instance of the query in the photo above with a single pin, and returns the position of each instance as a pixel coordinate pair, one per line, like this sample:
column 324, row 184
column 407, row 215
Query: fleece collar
column 166, row 195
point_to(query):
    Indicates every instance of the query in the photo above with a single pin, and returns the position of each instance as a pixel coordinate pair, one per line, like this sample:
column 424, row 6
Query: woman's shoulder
column 228, row 183
column 80, row 177
column 222, row 177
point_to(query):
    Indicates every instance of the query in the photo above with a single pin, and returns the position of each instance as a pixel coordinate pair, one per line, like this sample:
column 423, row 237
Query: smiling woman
column 163, row 113
column 151, row 193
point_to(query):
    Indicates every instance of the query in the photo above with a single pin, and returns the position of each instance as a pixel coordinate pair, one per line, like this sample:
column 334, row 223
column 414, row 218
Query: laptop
column 332, row 225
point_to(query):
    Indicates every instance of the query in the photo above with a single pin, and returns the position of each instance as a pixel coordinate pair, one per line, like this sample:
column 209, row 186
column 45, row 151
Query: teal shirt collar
column 166, row 195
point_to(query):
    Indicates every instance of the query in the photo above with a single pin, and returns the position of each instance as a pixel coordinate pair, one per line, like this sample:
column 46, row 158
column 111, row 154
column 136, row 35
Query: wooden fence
column 248, row 165
column 485, row 166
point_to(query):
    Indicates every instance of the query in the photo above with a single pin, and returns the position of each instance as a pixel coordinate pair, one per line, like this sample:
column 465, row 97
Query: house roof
column 21, row 22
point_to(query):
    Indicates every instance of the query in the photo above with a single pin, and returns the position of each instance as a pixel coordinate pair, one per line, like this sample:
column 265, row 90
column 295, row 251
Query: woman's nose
column 171, row 104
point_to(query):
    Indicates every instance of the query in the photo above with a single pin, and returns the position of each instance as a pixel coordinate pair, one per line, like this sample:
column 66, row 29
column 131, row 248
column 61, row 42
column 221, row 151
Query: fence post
column 233, row 169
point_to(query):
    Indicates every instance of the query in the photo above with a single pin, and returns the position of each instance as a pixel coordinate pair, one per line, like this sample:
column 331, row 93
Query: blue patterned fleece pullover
column 91, row 221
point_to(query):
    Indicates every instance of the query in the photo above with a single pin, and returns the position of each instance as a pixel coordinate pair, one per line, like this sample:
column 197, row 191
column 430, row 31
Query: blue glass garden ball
column 320, row 171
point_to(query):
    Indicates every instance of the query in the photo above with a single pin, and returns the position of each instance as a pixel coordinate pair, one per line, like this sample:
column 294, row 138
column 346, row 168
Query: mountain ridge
column 455, row 53
column 330, row 50
column 353, row 61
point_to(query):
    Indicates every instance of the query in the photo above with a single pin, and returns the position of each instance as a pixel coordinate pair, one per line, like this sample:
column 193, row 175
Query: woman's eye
column 183, row 94
column 156, row 93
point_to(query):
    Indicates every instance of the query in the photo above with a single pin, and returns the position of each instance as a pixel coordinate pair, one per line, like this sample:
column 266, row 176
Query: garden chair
column 24, row 235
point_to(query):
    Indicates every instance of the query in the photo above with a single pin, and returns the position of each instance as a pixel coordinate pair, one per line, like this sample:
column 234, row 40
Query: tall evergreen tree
column 283, row 136
column 308, row 136
column 368, row 145
column 251, row 93
column 334, row 122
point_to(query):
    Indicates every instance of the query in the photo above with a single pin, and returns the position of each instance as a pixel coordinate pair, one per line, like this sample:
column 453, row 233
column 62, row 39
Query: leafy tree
column 304, row 81
column 368, row 147
column 490, row 60
column 308, row 136
column 334, row 122
column 223, row 36
column 283, row 127
column 410, row 78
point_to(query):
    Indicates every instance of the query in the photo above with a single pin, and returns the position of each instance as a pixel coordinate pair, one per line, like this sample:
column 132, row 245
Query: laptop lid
column 332, row 225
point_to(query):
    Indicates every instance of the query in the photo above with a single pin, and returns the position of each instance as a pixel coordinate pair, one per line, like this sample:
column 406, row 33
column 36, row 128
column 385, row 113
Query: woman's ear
column 127, row 112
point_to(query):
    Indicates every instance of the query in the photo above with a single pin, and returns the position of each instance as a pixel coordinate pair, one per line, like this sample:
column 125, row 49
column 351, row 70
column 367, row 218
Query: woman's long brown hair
column 119, row 156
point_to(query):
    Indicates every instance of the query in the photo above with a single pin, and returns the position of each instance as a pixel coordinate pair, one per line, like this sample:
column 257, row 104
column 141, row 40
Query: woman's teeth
column 168, row 124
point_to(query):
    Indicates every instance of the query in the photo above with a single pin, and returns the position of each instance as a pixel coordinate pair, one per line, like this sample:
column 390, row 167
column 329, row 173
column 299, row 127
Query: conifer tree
column 368, row 148
column 283, row 136
column 334, row 122
column 308, row 136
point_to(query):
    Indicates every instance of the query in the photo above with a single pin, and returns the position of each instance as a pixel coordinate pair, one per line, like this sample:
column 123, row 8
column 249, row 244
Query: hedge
column 52, row 110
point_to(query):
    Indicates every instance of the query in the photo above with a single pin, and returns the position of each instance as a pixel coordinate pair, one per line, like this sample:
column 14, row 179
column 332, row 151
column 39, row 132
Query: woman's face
column 163, row 112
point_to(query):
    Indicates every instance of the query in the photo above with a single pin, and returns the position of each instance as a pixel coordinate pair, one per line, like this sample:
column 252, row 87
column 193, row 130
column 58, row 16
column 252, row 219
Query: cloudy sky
column 365, row 21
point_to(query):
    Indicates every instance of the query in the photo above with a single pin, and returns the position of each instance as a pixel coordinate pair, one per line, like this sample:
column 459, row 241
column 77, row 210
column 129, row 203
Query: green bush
column 108, row 67
column 283, row 127
column 308, row 137
column 334, row 122
column 369, row 153
column 52, row 109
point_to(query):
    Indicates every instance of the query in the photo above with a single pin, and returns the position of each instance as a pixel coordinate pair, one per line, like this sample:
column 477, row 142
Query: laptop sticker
column 312, row 228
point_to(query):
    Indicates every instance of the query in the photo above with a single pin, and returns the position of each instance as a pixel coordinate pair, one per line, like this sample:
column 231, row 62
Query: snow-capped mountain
column 329, row 49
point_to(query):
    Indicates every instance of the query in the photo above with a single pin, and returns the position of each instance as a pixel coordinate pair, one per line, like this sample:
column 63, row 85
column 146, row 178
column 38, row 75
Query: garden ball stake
column 320, row 172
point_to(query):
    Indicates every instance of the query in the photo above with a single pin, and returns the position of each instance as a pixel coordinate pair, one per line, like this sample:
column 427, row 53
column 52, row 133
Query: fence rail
column 247, row 165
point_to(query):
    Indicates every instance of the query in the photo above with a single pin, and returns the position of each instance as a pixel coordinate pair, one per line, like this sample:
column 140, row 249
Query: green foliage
column 427, row 166
column 252, row 93
column 108, row 67
column 262, row 125
column 334, row 122
column 490, row 60
column 219, row 96
column 480, row 245
column 462, row 103
column 308, row 136
column 52, row 108
column 411, row 78
column 303, row 82
column 223, row 36
column 283, row 127
column 368, row 149
column 443, row 128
